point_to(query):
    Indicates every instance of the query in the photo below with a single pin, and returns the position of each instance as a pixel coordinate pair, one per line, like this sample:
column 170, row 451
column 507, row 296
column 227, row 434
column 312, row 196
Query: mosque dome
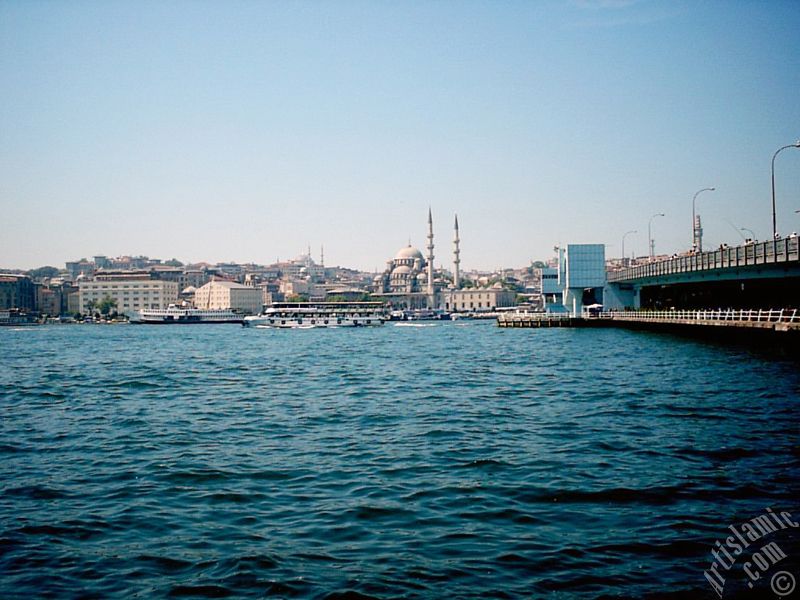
column 401, row 270
column 303, row 259
column 189, row 290
column 408, row 252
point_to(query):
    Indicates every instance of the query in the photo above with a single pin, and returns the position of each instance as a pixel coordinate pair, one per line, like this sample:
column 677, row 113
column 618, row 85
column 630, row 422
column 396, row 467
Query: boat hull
column 185, row 316
column 277, row 323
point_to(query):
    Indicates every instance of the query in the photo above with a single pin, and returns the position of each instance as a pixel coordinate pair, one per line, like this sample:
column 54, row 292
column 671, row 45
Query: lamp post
column 649, row 236
column 774, row 222
column 695, row 243
column 750, row 231
column 623, row 244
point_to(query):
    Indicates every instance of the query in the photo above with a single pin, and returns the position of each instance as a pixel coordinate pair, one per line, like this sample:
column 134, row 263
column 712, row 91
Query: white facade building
column 230, row 295
column 477, row 299
column 131, row 294
column 582, row 275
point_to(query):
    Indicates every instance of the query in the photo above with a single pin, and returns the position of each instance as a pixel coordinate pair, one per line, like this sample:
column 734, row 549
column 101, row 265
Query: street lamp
column 623, row 244
column 696, row 243
column 774, row 223
column 750, row 231
column 649, row 236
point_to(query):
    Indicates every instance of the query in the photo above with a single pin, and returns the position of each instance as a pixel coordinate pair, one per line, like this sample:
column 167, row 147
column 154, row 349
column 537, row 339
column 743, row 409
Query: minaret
column 430, row 259
column 456, row 259
column 322, row 256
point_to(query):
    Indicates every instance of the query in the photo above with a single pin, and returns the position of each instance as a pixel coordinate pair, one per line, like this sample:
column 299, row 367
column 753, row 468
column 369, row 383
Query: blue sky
column 246, row 131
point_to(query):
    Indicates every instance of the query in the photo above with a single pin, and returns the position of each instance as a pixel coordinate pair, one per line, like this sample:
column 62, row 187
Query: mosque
column 408, row 280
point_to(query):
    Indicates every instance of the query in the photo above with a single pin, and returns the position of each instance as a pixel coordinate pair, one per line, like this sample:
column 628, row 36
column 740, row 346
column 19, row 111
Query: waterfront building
column 581, row 275
column 477, row 299
column 132, row 290
column 17, row 291
column 552, row 294
column 74, row 302
column 49, row 299
column 229, row 295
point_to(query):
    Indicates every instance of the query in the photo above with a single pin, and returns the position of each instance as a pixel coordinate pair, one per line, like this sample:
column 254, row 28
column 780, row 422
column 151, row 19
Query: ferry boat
column 427, row 314
column 420, row 314
column 15, row 317
column 184, row 315
column 308, row 315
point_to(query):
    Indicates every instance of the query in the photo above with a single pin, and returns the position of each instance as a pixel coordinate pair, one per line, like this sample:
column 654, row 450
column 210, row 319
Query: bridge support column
column 619, row 296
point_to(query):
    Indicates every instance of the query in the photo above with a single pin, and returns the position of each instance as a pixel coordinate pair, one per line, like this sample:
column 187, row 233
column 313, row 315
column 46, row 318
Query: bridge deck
column 780, row 251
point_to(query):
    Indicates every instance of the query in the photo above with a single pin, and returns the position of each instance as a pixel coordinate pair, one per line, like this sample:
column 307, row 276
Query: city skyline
column 241, row 132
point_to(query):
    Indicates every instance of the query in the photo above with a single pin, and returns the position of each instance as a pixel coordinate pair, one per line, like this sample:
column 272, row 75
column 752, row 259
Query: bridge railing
column 760, row 253
column 731, row 315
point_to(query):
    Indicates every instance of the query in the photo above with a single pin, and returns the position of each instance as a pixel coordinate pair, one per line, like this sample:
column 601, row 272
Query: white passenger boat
column 184, row 315
column 308, row 315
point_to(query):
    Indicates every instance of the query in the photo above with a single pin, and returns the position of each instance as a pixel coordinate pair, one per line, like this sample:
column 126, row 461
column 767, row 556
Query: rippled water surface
column 457, row 460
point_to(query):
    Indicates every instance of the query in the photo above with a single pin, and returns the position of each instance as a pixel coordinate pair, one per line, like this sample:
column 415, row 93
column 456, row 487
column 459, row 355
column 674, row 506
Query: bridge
column 750, row 326
column 753, row 275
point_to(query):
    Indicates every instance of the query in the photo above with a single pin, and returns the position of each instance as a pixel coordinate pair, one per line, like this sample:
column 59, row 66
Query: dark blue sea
column 456, row 460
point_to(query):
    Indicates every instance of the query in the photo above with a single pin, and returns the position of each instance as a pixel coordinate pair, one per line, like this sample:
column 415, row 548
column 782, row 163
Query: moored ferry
column 180, row 315
column 15, row 317
column 307, row 315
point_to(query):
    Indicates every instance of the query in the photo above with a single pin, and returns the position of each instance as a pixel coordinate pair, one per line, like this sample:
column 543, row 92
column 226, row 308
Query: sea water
column 458, row 460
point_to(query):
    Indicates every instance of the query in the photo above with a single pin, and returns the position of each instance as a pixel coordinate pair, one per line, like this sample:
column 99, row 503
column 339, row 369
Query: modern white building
column 131, row 293
column 230, row 295
column 582, row 275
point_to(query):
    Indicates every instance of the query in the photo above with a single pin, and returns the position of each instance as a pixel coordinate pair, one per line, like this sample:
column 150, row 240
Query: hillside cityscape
column 117, row 287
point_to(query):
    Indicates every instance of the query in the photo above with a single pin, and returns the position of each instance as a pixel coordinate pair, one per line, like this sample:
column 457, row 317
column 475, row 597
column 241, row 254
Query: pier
column 538, row 320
